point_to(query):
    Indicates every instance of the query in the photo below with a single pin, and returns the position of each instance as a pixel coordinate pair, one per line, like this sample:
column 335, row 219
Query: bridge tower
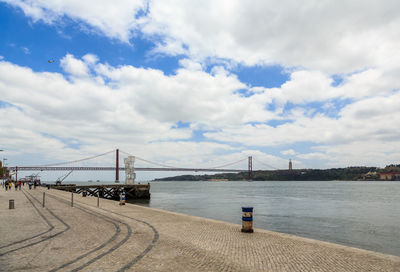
column 117, row 166
column 250, row 168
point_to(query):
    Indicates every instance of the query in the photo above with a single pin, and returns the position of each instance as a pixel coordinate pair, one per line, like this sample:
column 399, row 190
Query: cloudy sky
column 201, row 83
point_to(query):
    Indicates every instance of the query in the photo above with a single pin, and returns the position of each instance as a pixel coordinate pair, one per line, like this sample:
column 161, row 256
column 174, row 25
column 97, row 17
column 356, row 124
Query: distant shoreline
column 348, row 173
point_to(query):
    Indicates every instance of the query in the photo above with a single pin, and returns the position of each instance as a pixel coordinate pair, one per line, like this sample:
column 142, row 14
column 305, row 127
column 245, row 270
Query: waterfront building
column 371, row 175
column 389, row 175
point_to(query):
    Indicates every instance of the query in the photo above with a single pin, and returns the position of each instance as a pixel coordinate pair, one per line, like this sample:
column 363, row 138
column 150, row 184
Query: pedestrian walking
column 6, row 185
column 19, row 185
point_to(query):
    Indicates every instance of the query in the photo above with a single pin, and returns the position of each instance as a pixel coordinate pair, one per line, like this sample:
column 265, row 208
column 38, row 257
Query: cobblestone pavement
column 59, row 237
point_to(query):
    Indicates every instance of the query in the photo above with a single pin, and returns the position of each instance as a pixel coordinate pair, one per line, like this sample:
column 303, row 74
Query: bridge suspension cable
column 155, row 163
column 56, row 167
column 269, row 166
column 228, row 164
column 69, row 162
column 169, row 166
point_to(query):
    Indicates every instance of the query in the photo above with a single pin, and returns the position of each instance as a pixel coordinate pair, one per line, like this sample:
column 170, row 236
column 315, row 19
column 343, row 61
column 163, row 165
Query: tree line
column 348, row 173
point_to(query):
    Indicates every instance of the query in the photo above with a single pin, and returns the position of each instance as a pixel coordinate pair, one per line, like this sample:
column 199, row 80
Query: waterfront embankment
column 62, row 237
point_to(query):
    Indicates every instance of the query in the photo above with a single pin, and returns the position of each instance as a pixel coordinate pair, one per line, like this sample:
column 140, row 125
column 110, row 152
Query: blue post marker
column 247, row 219
column 122, row 202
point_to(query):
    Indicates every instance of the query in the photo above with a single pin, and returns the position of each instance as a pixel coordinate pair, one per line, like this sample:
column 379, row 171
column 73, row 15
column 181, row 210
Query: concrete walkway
column 59, row 237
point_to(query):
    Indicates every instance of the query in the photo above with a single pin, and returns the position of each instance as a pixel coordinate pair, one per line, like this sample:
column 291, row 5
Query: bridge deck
column 100, row 168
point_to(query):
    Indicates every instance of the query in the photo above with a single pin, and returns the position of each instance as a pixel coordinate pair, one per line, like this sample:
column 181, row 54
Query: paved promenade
column 59, row 237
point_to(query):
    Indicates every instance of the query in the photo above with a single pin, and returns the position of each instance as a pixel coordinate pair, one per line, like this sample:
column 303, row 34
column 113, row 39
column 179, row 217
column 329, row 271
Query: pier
column 110, row 191
column 52, row 235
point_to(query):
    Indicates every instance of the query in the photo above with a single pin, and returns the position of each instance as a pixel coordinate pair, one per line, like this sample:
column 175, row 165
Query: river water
column 353, row 213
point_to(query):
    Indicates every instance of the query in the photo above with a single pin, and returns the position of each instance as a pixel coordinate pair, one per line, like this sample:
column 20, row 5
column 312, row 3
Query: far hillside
column 348, row 173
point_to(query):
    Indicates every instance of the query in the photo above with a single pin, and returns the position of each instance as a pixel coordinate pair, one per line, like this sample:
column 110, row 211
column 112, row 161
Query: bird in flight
column 50, row 61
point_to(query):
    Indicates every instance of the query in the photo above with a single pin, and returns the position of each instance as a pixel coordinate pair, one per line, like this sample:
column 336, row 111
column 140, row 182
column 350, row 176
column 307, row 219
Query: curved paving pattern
column 166, row 241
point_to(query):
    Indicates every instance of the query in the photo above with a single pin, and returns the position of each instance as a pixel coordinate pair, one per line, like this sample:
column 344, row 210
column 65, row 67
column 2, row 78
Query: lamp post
column 1, row 150
column 4, row 167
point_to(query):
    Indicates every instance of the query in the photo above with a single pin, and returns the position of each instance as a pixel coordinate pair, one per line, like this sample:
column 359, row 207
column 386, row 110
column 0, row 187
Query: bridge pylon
column 250, row 168
column 117, row 166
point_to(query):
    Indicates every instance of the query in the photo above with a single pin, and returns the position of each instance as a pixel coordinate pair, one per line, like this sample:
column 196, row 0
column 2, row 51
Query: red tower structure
column 250, row 168
column 117, row 166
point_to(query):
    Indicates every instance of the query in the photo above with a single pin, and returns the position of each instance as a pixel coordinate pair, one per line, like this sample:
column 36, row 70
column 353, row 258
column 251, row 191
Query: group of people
column 8, row 184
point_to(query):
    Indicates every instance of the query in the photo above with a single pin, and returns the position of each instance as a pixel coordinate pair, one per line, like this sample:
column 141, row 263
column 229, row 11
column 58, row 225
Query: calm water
column 359, row 214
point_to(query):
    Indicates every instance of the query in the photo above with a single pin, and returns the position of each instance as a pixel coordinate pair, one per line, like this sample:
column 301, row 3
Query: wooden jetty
column 111, row 191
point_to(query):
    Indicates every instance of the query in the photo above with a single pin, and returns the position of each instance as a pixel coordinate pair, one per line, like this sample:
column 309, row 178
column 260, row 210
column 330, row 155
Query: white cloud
column 90, row 59
column 136, row 110
column 190, row 65
column 98, row 104
column 364, row 120
column 61, row 105
column 331, row 36
column 373, row 152
column 304, row 87
column 114, row 20
column 314, row 156
column 26, row 50
column 74, row 66
column 191, row 95
column 100, row 107
column 289, row 152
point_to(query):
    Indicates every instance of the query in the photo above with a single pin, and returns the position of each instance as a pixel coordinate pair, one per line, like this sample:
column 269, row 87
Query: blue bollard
column 247, row 219
column 122, row 202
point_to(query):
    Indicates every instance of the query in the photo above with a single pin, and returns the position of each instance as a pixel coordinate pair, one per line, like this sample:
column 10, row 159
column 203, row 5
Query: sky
column 200, row 83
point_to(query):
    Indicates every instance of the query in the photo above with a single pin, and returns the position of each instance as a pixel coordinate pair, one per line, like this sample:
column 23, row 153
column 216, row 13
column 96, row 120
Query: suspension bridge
column 133, row 191
column 62, row 166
